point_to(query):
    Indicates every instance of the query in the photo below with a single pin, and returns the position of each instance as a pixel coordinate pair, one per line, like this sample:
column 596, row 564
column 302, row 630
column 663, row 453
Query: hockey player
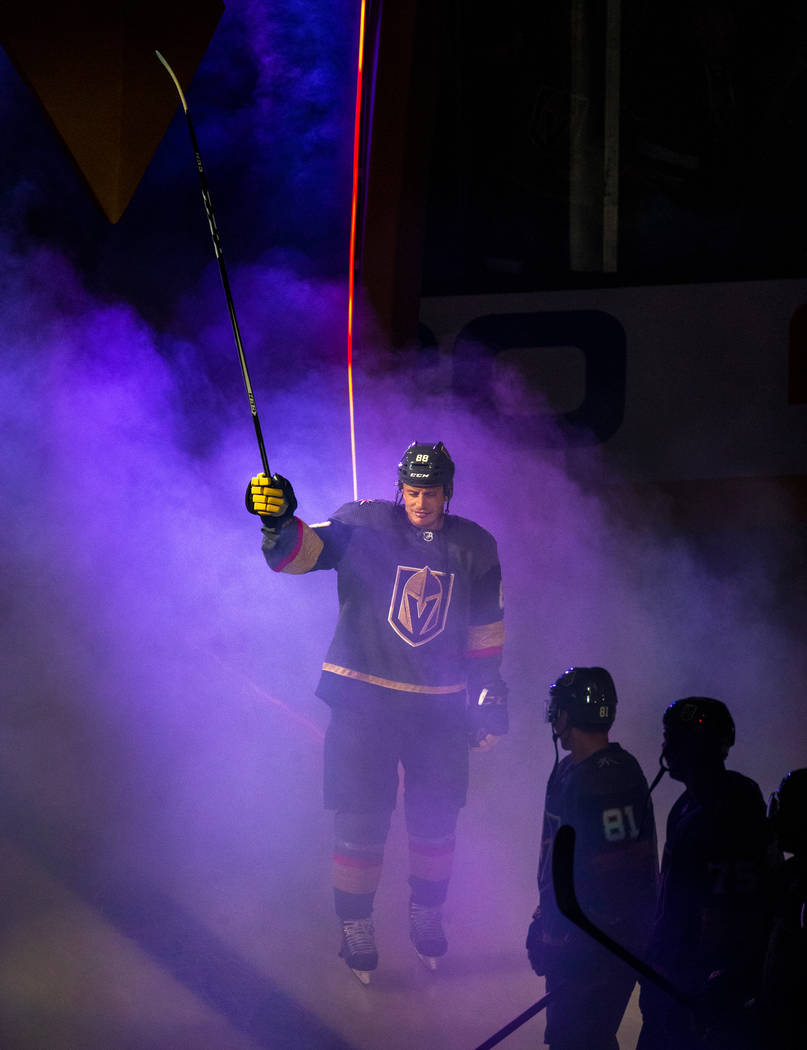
column 420, row 628
column 600, row 790
column 710, row 926
column 782, row 1017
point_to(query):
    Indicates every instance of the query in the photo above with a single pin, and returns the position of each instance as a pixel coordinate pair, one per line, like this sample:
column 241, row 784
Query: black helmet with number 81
column 587, row 695
column 424, row 465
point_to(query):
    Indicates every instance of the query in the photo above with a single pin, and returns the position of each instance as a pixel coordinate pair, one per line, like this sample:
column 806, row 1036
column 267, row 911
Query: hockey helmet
column 425, row 465
column 699, row 722
column 787, row 811
column 587, row 695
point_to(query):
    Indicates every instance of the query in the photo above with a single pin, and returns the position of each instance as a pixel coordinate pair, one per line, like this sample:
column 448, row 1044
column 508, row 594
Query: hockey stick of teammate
column 563, row 883
column 214, row 233
column 517, row 1022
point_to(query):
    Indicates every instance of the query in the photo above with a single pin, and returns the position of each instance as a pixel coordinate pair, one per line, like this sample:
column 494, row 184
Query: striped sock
column 430, row 862
column 356, row 874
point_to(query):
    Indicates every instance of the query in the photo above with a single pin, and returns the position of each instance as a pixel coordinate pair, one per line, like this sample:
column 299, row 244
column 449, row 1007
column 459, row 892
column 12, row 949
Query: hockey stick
column 214, row 233
column 563, row 883
column 517, row 1022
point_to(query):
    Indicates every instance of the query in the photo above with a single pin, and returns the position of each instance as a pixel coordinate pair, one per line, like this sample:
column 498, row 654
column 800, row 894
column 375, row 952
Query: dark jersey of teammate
column 781, row 1000
column 712, row 913
column 420, row 610
column 605, row 799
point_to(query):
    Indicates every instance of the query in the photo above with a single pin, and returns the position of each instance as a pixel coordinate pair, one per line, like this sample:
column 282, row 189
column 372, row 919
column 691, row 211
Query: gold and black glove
column 272, row 499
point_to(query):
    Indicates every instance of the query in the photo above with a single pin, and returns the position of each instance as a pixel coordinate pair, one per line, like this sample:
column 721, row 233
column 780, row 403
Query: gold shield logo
column 420, row 601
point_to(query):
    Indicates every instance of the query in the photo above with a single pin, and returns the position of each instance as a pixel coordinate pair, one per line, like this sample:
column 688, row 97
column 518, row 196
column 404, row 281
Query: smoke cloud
column 160, row 679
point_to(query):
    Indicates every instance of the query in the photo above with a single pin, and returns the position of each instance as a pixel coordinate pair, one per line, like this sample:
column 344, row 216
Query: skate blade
column 429, row 961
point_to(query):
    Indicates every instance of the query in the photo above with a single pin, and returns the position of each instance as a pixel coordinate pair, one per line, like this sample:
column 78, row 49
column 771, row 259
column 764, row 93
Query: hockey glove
column 722, row 1008
column 535, row 944
column 487, row 716
column 271, row 498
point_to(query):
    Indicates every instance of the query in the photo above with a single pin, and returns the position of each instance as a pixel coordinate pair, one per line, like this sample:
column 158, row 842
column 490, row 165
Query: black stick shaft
column 517, row 1022
column 214, row 234
column 563, row 884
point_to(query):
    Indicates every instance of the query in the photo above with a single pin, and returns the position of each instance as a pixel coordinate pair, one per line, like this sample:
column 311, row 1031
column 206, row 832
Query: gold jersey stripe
column 486, row 636
column 306, row 558
column 386, row 683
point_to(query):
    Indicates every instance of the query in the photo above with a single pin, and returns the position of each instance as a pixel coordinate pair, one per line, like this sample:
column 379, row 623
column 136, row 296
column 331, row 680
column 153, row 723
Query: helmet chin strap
column 555, row 739
column 661, row 771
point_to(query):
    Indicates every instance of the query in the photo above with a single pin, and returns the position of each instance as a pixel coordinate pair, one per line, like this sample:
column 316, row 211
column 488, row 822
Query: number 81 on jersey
column 619, row 823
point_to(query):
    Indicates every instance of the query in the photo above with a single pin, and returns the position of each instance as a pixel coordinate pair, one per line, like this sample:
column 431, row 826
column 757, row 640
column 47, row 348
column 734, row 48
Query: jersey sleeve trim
column 305, row 552
column 481, row 654
column 485, row 640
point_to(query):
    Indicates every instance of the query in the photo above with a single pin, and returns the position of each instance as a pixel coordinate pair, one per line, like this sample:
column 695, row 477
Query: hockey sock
column 356, row 874
column 353, row 905
column 430, row 862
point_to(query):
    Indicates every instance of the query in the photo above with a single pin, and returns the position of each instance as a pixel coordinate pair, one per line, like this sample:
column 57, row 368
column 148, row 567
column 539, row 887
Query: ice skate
column 426, row 933
column 358, row 947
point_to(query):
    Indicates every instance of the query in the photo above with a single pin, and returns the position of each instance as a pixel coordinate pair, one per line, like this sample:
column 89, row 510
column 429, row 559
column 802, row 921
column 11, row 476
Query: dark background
column 711, row 150
column 711, row 144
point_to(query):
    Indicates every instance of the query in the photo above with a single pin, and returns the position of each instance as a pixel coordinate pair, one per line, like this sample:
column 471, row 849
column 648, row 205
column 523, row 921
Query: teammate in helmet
column 780, row 1004
column 787, row 813
column 600, row 790
column 582, row 698
column 698, row 735
column 411, row 675
column 710, row 927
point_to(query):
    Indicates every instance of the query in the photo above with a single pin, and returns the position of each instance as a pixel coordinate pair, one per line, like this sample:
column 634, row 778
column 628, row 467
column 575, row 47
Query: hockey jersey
column 605, row 799
column 712, row 910
column 420, row 610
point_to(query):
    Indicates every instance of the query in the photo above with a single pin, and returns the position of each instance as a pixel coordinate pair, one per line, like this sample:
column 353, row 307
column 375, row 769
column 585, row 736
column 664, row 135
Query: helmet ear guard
column 424, row 465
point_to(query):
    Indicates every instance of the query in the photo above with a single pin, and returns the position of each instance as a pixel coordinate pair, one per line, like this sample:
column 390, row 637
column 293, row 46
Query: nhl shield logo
column 420, row 601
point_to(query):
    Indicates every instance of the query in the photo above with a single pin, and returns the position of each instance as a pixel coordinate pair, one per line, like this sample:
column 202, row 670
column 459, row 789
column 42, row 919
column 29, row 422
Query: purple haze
column 159, row 679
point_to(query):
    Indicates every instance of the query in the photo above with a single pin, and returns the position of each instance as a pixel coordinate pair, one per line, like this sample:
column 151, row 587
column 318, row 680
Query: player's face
column 683, row 756
column 424, row 506
column 678, row 756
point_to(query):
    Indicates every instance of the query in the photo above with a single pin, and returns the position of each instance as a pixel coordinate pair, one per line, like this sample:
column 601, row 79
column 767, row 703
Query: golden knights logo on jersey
column 420, row 601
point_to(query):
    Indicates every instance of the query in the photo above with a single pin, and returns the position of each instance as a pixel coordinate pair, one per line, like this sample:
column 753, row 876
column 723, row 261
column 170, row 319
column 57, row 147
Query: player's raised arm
column 289, row 545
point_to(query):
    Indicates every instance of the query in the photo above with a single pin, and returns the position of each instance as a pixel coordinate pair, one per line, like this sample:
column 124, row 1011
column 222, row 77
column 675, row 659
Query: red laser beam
column 266, row 697
column 352, row 263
